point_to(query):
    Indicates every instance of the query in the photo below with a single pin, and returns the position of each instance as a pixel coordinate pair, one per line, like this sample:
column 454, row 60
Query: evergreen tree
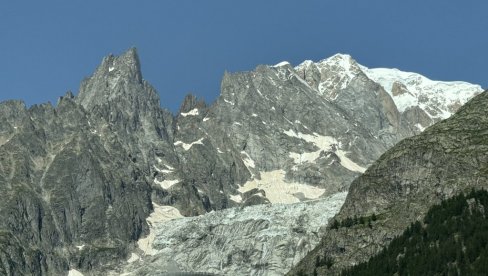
column 453, row 240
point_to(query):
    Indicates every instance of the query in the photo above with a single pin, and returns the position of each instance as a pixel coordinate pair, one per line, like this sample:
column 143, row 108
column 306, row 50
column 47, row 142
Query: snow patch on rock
column 278, row 190
column 283, row 63
column 424, row 92
column 188, row 146
column 236, row 198
column 133, row 257
column 74, row 272
column 160, row 214
column 165, row 171
column 193, row 112
column 247, row 160
column 166, row 184
column 229, row 102
column 324, row 143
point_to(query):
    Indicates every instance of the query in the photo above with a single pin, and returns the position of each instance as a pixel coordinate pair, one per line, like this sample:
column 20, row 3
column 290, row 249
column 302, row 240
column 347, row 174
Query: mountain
column 451, row 240
column 448, row 158
column 419, row 100
column 88, row 180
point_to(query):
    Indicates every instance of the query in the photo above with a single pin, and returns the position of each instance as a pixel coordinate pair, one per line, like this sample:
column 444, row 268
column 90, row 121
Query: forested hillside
column 451, row 240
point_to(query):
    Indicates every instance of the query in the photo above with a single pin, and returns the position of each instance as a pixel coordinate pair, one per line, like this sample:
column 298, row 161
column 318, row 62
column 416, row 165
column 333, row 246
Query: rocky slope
column 81, row 177
column 446, row 159
column 450, row 240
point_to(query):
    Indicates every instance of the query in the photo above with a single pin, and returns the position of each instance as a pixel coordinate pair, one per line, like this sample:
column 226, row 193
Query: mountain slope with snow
column 439, row 99
column 89, row 179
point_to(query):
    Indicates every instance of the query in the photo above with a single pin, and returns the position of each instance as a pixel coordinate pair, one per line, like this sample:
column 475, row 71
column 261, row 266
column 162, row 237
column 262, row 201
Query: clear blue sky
column 48, row 47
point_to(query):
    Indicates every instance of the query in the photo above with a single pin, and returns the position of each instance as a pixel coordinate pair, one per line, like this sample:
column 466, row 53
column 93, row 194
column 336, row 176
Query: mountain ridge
column 98, row 165
column 446, row 159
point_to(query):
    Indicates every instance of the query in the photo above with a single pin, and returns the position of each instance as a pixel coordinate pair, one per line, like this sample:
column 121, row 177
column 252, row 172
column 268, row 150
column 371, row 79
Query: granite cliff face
column 88, row 182
column 446, row 159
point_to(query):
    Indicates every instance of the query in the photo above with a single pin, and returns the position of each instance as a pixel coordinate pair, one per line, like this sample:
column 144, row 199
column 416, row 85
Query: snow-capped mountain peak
column 439, row 99
column 331, row 74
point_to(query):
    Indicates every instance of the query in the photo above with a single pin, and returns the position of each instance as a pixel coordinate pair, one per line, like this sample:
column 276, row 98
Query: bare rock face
column 63, row 190
column 446, row 159
column 398, row 89
column 88, row 179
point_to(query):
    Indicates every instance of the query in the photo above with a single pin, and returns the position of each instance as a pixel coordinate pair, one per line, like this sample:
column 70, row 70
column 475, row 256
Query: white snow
column 301, row 80
column 163, row 170
column 4, row 141
column 278, row 190
column 324, row 143
column 166, row 184
column 420, row 127
column 348, row 163
column 283, row 63
column 259, row 92
column 133, row 257
column 236, row 198
column 422, row 91
column 188, row 146
column 193, row 112
column 343, row 67
column 229, row 102
column 247, row 160
column 74, row 272
column 435, row 97
column 110, row 69
column 80, row 247
column 161, row 214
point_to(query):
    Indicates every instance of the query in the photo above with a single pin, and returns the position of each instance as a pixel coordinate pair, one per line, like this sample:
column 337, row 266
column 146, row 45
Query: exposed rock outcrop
column 446, row 159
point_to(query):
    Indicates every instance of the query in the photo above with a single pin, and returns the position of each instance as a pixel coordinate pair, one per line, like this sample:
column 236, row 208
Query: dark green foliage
column 335, row 224
column 349, row 222
column 453, row 240
column 323, row 261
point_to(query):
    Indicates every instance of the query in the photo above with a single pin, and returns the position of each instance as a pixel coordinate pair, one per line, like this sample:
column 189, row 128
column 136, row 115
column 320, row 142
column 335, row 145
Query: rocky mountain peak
column 127, row 64
column 111, row 163
column 191, row 102
column 117, row 76
column 329, row 75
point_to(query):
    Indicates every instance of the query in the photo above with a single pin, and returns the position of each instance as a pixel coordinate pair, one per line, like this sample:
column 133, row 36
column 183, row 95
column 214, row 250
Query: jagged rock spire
column 113, row 73
column 190, row 102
